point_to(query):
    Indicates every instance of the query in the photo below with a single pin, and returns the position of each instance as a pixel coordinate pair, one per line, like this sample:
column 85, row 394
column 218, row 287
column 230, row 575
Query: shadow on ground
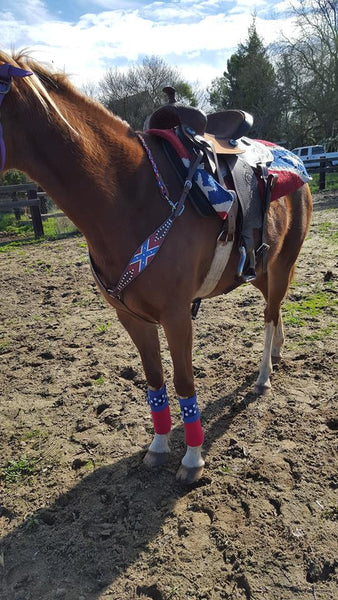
column 76, row 547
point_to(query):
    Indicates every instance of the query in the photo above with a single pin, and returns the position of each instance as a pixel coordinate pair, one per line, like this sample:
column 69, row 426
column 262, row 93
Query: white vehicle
column 312, row 155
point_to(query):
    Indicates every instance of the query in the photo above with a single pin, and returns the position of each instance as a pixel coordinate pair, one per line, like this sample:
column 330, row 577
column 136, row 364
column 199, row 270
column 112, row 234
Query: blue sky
column 85, row 37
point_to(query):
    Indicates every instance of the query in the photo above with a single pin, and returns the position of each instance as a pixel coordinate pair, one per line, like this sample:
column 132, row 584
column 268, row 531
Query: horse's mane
column 40, row 83
column 44, row 82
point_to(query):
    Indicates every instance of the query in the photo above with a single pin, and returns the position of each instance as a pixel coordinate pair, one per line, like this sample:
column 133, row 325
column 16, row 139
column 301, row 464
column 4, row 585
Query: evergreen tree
column 250, row 84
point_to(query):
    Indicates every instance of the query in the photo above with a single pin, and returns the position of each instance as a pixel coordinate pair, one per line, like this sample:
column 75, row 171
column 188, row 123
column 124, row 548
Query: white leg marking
column 265, row 371
column 160, row 443
column 193, row 457
column 278, row 340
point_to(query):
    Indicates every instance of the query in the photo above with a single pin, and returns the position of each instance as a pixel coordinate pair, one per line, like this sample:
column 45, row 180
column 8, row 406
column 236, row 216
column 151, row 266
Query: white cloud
column 198, row 46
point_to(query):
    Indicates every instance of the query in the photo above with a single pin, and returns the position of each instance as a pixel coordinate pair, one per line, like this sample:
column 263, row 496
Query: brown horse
column 93, row 166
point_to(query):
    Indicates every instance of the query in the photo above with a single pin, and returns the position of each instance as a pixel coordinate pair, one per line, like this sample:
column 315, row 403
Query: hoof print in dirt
column 128, row 373
column 151, row 591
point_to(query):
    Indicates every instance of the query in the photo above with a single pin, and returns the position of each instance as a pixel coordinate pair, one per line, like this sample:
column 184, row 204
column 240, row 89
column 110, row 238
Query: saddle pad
column 221, row 199
column 290, row 169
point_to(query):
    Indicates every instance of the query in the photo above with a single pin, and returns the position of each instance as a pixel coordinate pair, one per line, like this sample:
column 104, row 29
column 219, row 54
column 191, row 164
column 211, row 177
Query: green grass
column 54, row 228
column 225, row 469
column 324, row 333
column 308, row 312
column 311, row 306
column 4, row 346
column 18, row 469
column 103, row 327
column 331, row 182
column 9, row 224
column 328, row 229
column 34, row 435
column 17, row 244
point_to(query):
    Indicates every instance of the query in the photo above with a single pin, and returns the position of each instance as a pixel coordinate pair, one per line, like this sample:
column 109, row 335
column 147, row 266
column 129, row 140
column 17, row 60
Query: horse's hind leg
column 145, row 338
column 275, row 283
column 275, row 287
column 277, row 341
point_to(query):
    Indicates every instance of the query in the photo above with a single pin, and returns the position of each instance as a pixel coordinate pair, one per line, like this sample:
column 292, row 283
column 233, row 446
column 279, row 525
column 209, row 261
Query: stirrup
column 249, row 275
column 242, row 260
column 250, row 272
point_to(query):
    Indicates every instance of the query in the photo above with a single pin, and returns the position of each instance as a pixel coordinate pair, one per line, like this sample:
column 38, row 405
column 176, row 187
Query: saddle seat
column 215, row 135
column 222, row 128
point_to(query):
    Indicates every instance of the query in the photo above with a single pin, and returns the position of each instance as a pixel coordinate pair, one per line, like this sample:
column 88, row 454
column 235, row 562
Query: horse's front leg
column 178, row 331
column 145, row 338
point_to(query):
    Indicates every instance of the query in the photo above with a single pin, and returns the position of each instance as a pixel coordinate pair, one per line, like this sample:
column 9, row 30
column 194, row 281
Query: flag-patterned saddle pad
column 287, row 166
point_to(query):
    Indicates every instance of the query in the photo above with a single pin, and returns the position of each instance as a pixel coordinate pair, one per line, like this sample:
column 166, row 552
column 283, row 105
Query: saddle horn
column 170, row 91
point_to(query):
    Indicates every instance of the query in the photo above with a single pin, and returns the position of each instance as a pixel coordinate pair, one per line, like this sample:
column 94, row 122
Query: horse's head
column 27, row 96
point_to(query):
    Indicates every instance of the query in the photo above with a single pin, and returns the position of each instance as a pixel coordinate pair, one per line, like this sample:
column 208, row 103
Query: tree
column 250, row 84
column 309, row 73
column 13, row 177
column 135, row 94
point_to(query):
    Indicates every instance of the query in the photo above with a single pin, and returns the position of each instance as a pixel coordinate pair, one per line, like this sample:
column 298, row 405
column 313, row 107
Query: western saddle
column 219, row 135
column 223, row 128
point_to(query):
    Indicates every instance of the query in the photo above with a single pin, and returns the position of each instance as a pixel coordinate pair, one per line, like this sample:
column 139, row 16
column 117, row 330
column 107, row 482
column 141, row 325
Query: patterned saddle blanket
column 288, row 167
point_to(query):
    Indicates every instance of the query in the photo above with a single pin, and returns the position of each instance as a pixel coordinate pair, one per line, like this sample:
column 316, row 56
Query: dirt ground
column 80, row 516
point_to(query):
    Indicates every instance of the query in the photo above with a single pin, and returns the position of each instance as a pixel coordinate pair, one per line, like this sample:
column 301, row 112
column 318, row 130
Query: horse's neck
column 79, row 166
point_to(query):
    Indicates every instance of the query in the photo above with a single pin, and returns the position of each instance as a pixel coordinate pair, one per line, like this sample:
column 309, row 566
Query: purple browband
column 7, row 72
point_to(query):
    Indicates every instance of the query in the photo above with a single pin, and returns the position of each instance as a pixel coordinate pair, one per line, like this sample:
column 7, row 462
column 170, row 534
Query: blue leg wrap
column 189, row 409
column 158, row 399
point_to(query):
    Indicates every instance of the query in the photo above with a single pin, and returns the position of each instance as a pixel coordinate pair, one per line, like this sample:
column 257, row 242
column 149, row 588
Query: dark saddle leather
column 218, row 136
column 227, row 126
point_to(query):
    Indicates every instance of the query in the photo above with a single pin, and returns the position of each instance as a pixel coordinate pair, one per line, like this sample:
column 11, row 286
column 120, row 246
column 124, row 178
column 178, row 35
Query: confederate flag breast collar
column 147, row 251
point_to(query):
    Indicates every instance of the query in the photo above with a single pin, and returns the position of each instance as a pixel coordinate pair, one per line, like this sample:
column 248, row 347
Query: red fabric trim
column 162, row 421
column 265, row 143
column 194, row 435
column 170, row 136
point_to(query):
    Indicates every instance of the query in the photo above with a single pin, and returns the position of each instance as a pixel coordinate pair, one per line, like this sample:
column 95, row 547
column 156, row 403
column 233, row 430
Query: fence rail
column 324, row 168
column 34, row 196
column 32, row 201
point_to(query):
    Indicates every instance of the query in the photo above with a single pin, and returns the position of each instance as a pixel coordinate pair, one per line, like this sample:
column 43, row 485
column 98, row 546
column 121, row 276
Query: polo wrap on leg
column 194, row 435
column 160, row 410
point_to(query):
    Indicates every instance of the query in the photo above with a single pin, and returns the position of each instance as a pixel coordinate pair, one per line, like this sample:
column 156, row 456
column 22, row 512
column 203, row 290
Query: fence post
column 36, row 215
column 322, row 174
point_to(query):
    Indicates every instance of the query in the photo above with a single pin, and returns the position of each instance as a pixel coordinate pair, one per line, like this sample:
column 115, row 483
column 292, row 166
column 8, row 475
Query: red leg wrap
column 194, row 435
column 162, row 420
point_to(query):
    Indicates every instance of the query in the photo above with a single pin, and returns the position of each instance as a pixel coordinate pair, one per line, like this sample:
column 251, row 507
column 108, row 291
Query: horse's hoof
column 262, row 390
column 190, row 475
column 154, row 460
column 276, row 360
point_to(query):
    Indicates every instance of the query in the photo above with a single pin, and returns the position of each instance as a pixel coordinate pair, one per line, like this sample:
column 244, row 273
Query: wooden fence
column 34, row 197
column 325, row 167
column 32, row 200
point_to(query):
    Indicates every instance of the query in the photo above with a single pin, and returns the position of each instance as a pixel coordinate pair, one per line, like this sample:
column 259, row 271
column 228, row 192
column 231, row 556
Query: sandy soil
column 80, row 516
